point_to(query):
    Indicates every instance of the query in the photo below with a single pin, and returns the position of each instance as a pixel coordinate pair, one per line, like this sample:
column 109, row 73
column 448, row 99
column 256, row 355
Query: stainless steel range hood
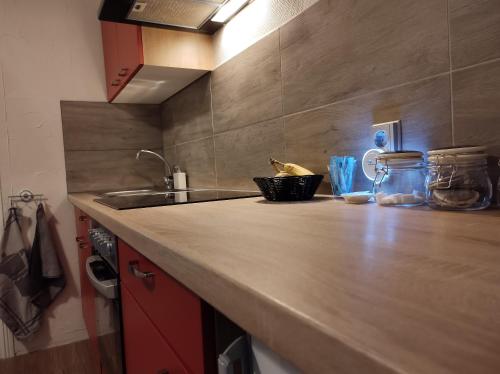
column 191, row 15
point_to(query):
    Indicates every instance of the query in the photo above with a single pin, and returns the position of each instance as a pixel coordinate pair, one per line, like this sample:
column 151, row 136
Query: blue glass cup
column 342, row 169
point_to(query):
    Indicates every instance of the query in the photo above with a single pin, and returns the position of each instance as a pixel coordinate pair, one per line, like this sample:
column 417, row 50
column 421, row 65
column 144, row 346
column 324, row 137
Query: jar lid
column 469, row 149
column 401, row 159
column 457, row 154
column 400, row 155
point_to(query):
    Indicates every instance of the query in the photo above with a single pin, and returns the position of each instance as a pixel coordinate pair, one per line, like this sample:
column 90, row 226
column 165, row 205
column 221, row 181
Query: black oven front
column 102, row 271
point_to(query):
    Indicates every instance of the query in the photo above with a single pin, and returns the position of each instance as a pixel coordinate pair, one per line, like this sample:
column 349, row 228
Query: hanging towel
column 17, row 311
column 46, row 272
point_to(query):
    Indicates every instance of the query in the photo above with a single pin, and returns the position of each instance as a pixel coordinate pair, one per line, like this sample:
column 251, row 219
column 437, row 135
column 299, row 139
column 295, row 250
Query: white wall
column 50, row 50
column 254, row 22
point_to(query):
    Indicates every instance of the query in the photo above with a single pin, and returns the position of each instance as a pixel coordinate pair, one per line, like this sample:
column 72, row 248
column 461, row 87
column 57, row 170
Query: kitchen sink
column 141, row 192
column 144, row 198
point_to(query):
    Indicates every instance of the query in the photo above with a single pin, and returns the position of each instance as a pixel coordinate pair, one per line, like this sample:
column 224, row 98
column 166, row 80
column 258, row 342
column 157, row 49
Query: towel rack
column 26, row 196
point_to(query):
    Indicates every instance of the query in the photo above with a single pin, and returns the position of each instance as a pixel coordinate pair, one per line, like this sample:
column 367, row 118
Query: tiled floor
column 69, row 359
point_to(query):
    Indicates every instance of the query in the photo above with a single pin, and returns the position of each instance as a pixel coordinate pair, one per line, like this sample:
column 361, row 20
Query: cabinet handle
column 80, row 239
column 162, row 371
column 133, row 268
column 82, row 245
column 123, row 72
column 83, row 218
column 116, row 82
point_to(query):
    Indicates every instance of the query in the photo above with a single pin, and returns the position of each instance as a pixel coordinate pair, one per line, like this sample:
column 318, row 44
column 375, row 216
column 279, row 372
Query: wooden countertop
column 335, row 288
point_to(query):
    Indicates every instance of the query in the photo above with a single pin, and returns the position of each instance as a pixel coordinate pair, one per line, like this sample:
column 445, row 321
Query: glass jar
column 498, row 188
column 400, row 179
column 458, row 179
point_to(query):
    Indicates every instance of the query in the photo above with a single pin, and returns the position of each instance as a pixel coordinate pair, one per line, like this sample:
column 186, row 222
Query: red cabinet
column 123, row 54
column 145, row 349
column 147, row 65
column 175, row 311
column 87, row 291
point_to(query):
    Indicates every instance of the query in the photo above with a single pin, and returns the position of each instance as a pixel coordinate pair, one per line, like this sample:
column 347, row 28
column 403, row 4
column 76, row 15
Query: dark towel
column 17, row 311
column 46, row 272
column 29, row 280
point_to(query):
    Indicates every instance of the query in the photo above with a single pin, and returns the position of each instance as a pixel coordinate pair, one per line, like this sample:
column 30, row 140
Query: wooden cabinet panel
column 87, row 291
column 146, row 352
column 174, row 310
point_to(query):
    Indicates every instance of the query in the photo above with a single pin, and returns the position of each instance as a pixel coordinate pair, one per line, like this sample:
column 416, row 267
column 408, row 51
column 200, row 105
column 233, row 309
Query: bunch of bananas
column 288, row 169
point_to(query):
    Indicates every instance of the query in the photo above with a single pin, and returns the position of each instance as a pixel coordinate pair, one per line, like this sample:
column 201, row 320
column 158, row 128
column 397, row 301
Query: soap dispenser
column 179, row 178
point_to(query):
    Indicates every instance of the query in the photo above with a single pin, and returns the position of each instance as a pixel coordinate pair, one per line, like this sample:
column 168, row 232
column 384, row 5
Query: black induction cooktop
column 172, row 198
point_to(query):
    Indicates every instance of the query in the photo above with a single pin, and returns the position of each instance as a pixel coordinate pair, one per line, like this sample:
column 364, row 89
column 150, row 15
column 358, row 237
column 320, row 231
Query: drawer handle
column 162, row 371
column 123, row 72
column 82, row 245
column 83, row 218
column 80, row 239
column 116, row 82
column 133, row 268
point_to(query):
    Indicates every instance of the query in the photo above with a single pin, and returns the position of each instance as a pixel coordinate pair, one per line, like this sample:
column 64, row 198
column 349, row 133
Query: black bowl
column 289, row 188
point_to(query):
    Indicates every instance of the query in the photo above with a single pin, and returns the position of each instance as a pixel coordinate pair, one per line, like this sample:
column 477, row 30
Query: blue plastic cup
column 342, row 169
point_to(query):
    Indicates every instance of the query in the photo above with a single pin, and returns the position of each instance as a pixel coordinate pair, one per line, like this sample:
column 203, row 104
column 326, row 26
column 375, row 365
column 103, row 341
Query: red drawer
column 173, row 309
column 82, row 225
column 146, row 352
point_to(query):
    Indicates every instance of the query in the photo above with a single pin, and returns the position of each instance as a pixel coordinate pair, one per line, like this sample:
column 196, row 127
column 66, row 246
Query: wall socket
column 388, row 136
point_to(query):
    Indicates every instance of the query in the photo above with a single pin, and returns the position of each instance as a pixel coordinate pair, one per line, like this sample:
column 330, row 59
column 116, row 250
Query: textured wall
column 312, row 89
column 49, row 51
column 101, row 141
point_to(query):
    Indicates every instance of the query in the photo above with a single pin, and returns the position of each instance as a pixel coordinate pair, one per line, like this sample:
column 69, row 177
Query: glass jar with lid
column 498, row 188
column 400, row 179
column 458, row 179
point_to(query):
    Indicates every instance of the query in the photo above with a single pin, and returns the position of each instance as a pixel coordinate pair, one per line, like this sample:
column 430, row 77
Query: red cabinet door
column 123, row 55
column 146, row 352
column 87, row 291
column 175, row 311
column 111, row 61
column 130, row 54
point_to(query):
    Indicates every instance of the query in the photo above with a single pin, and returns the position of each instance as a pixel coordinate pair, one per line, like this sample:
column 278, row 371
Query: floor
column 69, row 359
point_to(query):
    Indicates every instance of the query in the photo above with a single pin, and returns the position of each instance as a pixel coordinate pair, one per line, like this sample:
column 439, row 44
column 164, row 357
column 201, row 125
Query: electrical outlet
column 387, row 136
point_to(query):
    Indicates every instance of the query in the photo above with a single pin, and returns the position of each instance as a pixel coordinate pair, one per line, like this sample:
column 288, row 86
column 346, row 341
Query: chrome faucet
column 169, row 179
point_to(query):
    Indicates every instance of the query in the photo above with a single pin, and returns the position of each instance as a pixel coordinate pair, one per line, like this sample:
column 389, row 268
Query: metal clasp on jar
column 448, row 181
column 381, row 171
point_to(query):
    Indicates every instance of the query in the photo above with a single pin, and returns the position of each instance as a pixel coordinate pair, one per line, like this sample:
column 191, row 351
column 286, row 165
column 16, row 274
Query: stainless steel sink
column 145, row 198
column 141, row 192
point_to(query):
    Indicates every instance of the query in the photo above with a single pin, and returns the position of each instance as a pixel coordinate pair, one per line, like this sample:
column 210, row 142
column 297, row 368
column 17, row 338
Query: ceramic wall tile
column 188, row 115
column 247, row 89
column 344, row 128
column 197, row 160
column 474, row 31
column 110, row 170
column 244, row 153
column 476, row 99
column 339, row 49
column 102, row 126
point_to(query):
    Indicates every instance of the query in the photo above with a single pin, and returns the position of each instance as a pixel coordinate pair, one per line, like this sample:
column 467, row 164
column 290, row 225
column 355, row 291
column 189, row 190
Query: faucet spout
column 169, row 179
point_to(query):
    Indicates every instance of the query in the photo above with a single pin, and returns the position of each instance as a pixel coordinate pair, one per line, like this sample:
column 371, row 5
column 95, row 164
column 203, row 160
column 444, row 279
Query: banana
column 289, row 168
column 283, row 174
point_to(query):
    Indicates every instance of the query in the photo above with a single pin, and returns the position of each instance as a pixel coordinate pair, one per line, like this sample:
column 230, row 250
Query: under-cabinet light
column 228, row 10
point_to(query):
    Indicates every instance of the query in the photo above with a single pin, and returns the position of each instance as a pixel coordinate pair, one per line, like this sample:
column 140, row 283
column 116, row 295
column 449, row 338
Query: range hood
column 192, row 15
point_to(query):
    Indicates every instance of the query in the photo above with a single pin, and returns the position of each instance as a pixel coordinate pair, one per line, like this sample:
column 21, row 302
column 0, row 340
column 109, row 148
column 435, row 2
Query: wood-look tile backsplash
column 101, row 141
column 313, row 88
